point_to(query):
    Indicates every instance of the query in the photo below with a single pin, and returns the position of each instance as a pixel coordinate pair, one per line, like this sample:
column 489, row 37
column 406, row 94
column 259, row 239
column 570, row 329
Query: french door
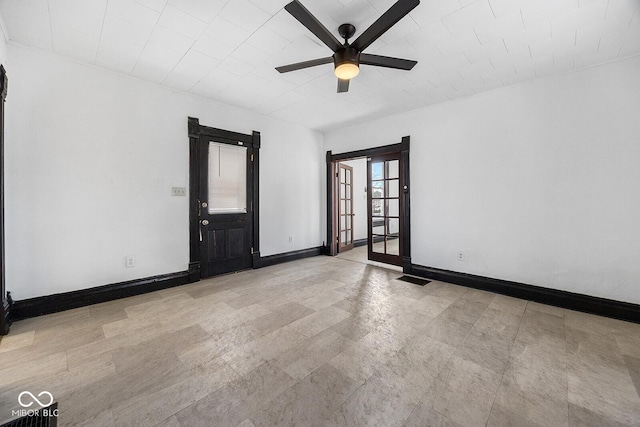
column 345, row 207
column 385, row 199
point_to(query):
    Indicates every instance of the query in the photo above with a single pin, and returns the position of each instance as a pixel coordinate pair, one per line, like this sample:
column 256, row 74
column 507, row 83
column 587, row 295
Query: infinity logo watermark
column 28, row 393
column 26, row 399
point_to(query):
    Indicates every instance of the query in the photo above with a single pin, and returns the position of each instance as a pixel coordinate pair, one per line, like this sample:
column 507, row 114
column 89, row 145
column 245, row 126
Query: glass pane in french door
column 385, row 207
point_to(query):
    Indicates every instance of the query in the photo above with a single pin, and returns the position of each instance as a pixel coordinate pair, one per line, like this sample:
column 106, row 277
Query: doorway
column 388, row 203
column 223, row 212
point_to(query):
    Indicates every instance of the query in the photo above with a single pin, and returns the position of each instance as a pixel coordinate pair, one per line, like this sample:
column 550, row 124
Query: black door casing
column 221, row 242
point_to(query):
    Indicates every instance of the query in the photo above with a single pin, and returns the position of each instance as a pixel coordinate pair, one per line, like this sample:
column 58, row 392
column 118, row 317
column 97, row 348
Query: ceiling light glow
column 347, row 70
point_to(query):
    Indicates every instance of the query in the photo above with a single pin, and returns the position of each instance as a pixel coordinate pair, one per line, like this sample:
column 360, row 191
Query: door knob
column 205, row 222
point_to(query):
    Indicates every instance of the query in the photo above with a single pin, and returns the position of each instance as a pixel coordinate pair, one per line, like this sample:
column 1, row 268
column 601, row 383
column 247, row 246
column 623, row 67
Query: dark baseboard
column 579, row 302
column 288, row 256
column 5, row 316
column 38, row 306
column 360, row 242
column 194, row 271
column 255, row 259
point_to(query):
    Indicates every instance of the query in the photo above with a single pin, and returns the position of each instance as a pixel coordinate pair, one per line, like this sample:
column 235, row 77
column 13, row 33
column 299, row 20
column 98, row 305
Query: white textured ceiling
column 227, row 49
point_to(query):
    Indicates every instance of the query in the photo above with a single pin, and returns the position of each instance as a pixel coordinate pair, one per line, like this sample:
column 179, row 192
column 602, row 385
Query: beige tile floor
column 325, row 341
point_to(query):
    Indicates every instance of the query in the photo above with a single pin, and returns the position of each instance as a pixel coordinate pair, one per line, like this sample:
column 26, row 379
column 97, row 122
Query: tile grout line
column 507, row 367
column 566, row 360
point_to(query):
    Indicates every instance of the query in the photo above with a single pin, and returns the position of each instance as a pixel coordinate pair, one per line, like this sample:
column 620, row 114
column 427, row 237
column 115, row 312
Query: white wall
column 4, row 37
column 359, row 197
column 91, row 157
column 536, row 183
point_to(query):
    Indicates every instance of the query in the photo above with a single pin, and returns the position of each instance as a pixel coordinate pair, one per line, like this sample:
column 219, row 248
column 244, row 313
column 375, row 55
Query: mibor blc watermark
column 26, row 399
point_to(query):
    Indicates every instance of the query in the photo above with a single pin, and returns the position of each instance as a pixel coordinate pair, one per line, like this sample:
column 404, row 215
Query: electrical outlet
column 290, row 239
column 179, row 191
column 130, row 261
column 460, row 256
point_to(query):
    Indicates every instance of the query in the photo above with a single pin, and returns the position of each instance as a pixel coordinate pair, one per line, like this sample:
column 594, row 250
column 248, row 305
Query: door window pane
column 378, row 244
column 227, row 178
column 393, row 207
column 393, row 245
column 393, row 188
column 377, row 208
column 378, row 228
column 393, row 226
column 394, row 168
column 377, row 170
column 377, row 189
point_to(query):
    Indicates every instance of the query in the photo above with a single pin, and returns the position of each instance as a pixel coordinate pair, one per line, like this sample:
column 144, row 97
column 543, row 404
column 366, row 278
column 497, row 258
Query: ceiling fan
column 348, row 57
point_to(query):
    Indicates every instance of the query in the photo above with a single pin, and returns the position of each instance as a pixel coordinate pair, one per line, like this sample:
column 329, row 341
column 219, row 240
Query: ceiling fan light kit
column 348, row 57
column 347, row 71
column 346, row 62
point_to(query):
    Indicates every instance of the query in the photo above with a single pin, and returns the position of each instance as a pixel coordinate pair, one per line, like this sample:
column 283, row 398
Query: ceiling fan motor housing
column 346, row 55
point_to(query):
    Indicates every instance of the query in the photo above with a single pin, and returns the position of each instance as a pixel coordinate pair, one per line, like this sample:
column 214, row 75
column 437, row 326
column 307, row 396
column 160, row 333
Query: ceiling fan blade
column 305, row 17
column 305, row 64
column 395, row 13
column 343, row 85
column 386, row 61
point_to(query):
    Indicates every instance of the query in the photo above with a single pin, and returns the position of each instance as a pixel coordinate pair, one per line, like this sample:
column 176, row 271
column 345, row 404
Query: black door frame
column 195, row 132
column 4, row 300
column 401, row 147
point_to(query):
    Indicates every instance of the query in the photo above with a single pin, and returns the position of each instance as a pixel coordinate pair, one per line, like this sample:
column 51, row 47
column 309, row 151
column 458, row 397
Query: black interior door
column 385, row 197
column 225, row 201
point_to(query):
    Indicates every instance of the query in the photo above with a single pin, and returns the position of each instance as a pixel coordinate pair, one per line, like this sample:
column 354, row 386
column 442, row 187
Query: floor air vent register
column 414, row 280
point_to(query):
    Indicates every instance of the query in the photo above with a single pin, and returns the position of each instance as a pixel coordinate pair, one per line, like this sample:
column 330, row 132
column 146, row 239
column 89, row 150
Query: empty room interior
column 320, row 213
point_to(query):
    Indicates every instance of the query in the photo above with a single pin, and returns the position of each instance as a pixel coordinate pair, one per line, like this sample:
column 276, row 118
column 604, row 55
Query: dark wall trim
column 39, row 306
column 194, row 190
column 403, row 148
column 329, row 246
column 601, row 306
column 368, row 152
column 579, row 302
column 4, row 302
column 406, row 205
column 33, row 307
column 360, row 242
column 289, row 256
column 253, row 140
column 256, row 141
